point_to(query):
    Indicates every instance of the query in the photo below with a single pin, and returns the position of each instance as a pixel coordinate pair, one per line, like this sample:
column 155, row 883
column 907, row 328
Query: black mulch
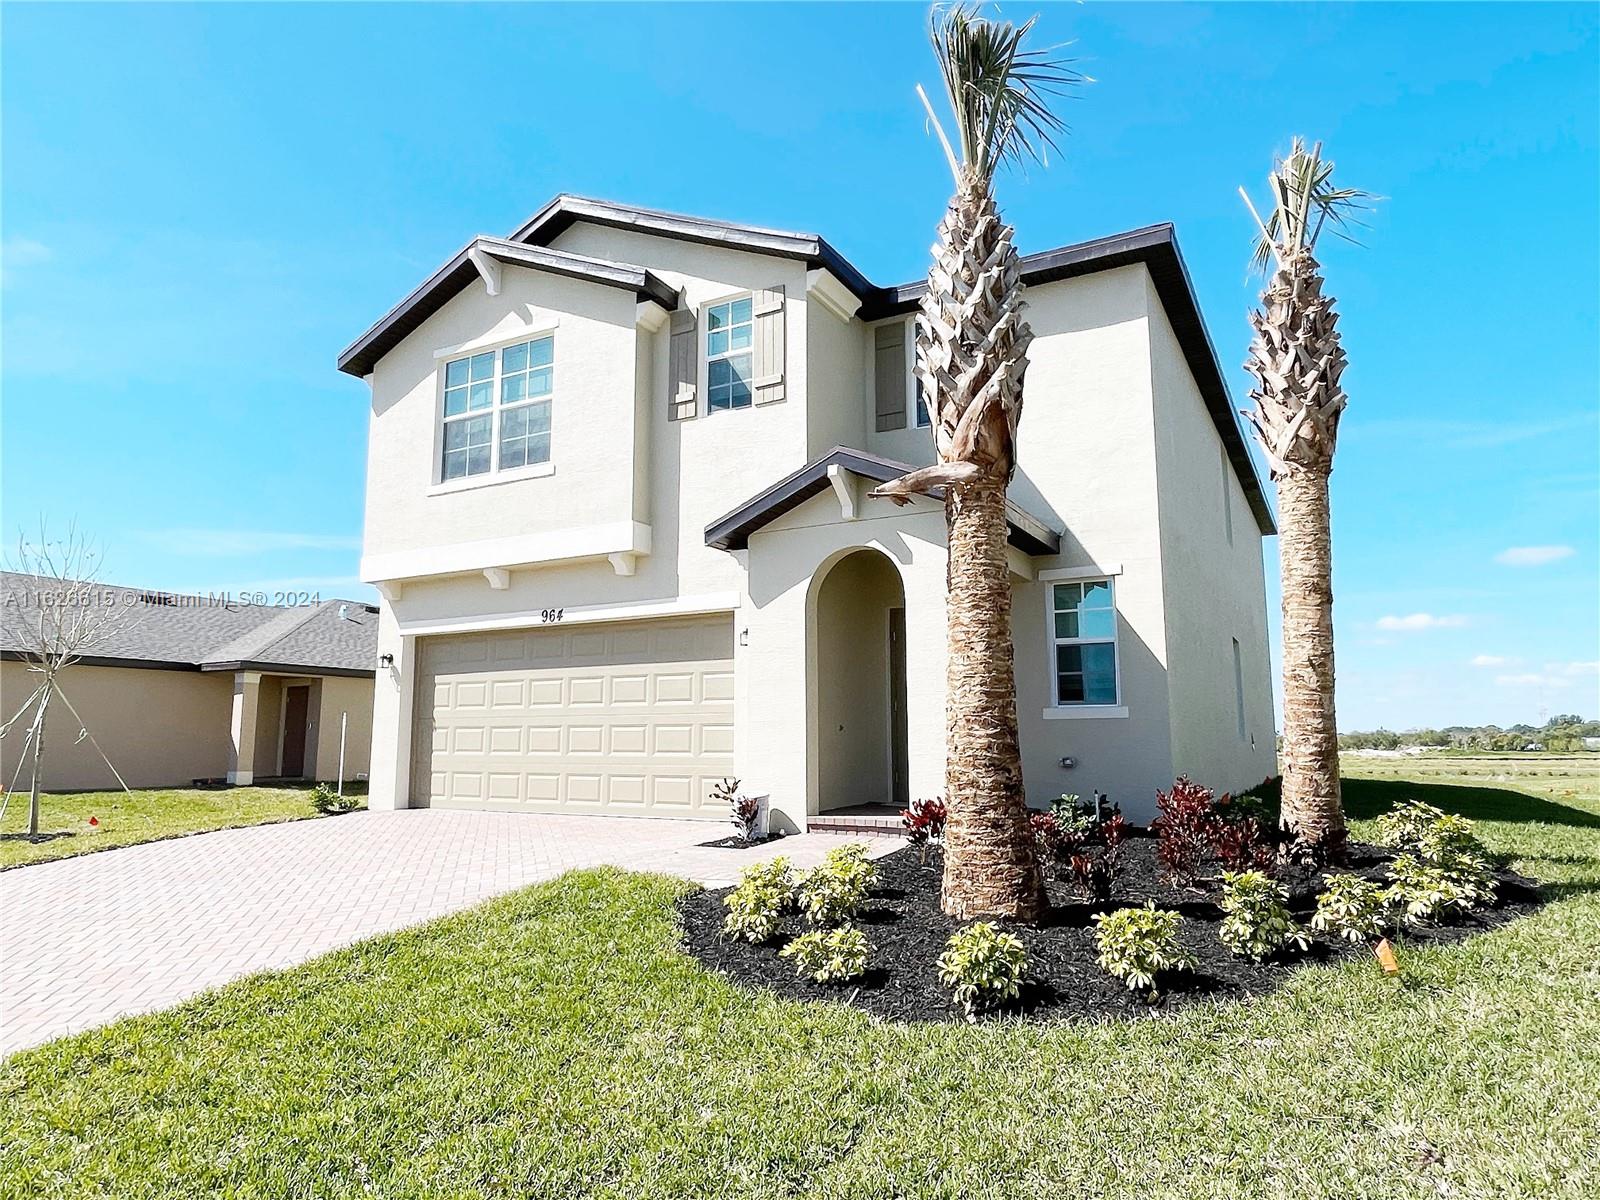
column 908, row 932
column 734, row 842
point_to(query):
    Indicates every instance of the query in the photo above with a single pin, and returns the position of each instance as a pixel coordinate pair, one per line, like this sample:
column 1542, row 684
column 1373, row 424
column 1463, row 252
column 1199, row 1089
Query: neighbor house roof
column 199, row 632
column 732, row 532
column 1155, row 246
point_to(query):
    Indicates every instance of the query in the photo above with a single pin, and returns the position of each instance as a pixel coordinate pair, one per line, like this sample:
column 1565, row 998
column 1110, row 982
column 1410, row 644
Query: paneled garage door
column 633, row 718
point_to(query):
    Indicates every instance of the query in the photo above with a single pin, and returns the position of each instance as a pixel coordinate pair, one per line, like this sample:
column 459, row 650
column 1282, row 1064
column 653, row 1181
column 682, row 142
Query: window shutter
column 889, row 376
column 769, row 367
column 683, row 366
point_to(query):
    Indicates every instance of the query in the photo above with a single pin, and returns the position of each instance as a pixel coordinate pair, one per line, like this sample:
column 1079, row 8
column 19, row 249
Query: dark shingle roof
column 203, row 632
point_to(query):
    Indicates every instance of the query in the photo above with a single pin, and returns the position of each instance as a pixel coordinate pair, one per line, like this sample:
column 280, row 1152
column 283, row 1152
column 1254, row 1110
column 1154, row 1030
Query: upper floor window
column 1084, row 632
column 730, row 336
column 497, row 409
column 922, row 406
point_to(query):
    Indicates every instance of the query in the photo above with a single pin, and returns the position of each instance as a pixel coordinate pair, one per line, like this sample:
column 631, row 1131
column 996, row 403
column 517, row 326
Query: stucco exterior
column 167, row 728
column 1119, row 457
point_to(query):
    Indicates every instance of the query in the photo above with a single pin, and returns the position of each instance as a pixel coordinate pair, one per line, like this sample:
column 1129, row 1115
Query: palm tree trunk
column 1312, row 811
column 990, row 868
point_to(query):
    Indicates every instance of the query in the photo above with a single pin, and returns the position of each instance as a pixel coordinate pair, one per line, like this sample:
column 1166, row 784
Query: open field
column 142, row 816
column 557, row 1043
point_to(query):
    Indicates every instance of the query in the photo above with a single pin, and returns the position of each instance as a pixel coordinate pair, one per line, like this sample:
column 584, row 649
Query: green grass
column 143, row 816
column 555, row 1043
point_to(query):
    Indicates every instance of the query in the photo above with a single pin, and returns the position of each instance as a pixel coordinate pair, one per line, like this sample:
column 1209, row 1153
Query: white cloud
column 1576, row 668
column 1532, row 679
column 1532, row 556
column 219, row 542
column 1416, row 621
column 1494, row 660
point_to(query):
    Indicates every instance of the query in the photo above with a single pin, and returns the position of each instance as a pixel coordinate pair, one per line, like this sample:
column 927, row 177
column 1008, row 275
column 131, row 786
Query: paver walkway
column 85, row 940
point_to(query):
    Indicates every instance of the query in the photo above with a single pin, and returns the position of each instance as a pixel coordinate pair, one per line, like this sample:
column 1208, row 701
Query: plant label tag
column 1386, row 958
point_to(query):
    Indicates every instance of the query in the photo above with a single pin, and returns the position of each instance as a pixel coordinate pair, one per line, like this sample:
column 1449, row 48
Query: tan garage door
column 632, row 718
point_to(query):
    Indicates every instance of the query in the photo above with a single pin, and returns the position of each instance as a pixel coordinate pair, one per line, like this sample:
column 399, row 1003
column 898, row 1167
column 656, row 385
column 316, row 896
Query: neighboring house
column 617, row 510
column 183, row 687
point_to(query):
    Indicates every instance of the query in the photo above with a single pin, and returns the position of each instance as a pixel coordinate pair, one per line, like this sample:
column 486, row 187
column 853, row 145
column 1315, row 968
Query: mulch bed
column 1065, row 980
column 733, row 842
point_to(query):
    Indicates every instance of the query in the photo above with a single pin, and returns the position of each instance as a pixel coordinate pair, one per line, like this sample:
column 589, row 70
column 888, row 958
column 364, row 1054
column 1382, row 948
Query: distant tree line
column 1565, row 732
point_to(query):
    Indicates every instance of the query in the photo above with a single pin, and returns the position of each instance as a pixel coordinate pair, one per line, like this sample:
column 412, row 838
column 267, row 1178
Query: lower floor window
column 1083, row 618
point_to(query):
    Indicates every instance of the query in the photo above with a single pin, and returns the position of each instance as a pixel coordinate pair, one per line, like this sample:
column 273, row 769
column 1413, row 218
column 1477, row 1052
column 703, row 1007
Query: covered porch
column 841, row 642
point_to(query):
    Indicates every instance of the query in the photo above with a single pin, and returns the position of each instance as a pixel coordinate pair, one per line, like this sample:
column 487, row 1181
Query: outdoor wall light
column 386, row 660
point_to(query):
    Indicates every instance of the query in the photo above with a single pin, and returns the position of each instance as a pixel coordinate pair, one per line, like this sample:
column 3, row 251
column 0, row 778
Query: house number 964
column 551, row 615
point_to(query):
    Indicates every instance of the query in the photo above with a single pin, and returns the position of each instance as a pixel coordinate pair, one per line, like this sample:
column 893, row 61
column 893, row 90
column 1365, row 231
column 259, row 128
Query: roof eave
column 459, row 272
column 732, row 531
column 565, row 210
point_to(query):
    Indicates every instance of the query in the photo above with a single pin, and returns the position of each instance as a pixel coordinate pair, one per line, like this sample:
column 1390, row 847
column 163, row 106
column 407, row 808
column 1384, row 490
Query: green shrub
column 757, row 905
column 836, row 890
column 1137, row 944
column 1445, row 865
column 1256, row 920
column 327, row 801
column 1405, row 826
column 830, row 955
column 983, row 966
column 1421, row 892
column 1350, row 908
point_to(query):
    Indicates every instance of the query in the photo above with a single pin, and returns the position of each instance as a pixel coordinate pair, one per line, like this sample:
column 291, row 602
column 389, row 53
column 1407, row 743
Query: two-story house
column 618, row 513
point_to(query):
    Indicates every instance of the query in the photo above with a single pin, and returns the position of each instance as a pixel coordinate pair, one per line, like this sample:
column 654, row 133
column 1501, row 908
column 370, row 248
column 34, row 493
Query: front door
column 897, row 707
column 296, row 707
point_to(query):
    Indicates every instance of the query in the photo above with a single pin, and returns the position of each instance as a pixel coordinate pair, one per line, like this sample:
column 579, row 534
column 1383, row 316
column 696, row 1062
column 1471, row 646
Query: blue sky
column 214, row 200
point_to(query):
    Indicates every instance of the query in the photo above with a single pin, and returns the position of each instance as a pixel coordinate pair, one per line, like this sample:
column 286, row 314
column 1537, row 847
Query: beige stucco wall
column 342, row 694
column 160, row 728
column 592, row 406
column 778, row 667
column 1215, row 586
column 730, row 456
column 1086, row 463
column 1106, row 408
column 166, row 728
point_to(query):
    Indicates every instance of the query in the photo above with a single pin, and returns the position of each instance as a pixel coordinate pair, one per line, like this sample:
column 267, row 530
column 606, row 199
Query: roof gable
column 1155, row 247
column 457, row 274
column 732, row 532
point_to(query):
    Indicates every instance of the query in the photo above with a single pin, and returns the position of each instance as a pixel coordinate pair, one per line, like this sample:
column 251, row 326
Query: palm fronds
column 1304, row 203
column 999, row 88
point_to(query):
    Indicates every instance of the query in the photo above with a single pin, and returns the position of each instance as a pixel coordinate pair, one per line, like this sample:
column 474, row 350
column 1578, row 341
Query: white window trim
column 705, row 353
column 468, row 482
column 496, row 340
column 1074, row 574
column 1079, row 712
column 439, row 485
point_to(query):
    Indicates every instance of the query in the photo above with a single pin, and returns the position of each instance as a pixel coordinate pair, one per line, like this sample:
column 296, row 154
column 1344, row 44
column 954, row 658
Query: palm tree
column 1297, row 361
column 971, row 348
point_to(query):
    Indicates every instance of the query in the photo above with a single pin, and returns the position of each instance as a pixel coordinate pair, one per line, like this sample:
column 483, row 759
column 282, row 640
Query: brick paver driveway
column 84, row 940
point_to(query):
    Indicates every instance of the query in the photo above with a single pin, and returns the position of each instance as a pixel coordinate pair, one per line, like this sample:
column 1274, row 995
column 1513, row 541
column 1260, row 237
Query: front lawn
column 557, row 1043
column 143, row 816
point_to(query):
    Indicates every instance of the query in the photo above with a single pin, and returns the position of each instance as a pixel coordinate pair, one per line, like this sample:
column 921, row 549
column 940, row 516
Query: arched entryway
column 857, row 662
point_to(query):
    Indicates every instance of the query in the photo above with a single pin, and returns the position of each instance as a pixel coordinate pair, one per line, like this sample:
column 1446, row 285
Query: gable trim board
column 461, row 271
column 732, row 532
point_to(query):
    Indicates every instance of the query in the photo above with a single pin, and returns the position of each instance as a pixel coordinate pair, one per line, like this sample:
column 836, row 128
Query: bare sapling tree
column 971, row 356
column 55, row 617
column 1297, row 360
